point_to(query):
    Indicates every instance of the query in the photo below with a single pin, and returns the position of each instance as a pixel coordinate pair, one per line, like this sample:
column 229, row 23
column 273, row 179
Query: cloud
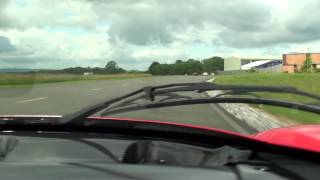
column 136, row 32
column 4, row 21
column 6, row 46
column 305, row 21
column 293, row 22
column 150, row 22
column 38, row 13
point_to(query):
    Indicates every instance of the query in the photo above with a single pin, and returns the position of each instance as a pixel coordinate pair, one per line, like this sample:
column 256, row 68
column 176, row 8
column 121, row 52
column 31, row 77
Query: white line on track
column 32, row 100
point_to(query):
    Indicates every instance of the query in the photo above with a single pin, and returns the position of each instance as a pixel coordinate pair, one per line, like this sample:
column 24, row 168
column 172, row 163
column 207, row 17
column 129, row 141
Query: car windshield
column 58, row 57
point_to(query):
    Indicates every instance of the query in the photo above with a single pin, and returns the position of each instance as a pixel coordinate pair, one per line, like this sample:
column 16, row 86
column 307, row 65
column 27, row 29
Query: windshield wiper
column 129, row 102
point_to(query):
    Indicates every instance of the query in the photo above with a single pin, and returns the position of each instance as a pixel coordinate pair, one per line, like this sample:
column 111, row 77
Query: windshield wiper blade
column 130, row 102
column 299, row 106
column 238, row 89
column 150, row 92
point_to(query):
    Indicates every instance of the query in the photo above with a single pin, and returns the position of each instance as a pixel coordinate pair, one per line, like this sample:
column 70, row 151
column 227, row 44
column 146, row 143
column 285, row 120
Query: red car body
column 303, row 137
column 306, row 137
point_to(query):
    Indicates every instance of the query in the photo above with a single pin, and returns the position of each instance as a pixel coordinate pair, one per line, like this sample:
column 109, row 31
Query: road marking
column 97, row 89
column 31, row 100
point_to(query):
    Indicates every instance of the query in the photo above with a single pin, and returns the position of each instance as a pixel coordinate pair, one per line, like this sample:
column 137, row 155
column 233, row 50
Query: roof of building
column 252, row 58
column 254, row 64
column 261, row 59
column 296, row 53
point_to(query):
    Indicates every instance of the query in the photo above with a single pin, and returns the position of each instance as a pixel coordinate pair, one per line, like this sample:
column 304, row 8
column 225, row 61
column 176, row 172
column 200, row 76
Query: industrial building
column 293, row 62
column 238, row 64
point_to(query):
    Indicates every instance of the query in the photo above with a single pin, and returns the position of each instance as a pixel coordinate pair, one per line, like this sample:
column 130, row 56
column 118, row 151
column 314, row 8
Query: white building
column 234, row 63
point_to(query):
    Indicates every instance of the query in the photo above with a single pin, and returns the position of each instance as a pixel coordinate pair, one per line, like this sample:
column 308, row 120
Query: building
column 264, row 65
column 294, row 62
column 232, row 64
column 236, row 64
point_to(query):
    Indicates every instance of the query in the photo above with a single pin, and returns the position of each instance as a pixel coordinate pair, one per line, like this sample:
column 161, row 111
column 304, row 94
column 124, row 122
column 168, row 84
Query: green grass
column 309, row 82
column 11, row 79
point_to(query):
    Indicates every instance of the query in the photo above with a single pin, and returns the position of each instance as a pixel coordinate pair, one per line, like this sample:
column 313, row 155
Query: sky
column 134, row 33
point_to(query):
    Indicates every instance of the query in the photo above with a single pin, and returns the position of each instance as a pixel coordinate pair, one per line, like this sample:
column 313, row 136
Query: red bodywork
column 305, row 137
column 302, row 137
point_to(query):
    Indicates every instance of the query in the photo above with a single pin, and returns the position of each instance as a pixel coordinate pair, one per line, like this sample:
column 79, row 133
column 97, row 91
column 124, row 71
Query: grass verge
column 303, row 81
column 11, row 79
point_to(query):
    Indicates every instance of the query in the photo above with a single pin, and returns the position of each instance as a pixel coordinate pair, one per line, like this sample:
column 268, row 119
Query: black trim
column 172, row 133
column 314, row 109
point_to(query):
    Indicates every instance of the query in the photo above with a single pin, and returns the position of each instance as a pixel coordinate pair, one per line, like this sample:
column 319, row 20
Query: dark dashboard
column 110, row 157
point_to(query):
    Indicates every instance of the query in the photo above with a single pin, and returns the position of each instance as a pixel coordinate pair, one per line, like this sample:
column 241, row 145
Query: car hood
column 306, row 137
column 303, row 137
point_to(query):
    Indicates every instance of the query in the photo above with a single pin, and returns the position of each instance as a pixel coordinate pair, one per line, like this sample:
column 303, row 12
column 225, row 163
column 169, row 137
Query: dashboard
column 73, row 157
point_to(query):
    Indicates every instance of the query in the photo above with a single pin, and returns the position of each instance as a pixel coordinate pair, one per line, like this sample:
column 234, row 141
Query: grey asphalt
column 67, row 97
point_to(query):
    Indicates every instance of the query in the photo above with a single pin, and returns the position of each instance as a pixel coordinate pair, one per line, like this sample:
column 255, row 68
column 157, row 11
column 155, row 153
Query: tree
column 213, row 64
column 178, row 68
column 196, row 67
column 187, row 67
column 153, row 68
column 112, row 68
column 307, row 65
column 179, row 61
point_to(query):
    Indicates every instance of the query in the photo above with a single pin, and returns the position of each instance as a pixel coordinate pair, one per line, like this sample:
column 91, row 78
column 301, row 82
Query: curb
column 247, row 115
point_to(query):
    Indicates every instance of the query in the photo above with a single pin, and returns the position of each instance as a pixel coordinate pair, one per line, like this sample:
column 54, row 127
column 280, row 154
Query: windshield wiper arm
column 149, row 93
column 168, row 96
column 304, row 107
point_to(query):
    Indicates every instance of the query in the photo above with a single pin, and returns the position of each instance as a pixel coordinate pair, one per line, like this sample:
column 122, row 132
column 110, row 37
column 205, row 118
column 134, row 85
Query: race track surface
column 68, row 97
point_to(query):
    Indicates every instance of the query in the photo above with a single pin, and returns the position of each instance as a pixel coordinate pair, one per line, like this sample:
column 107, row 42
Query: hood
column 305, row 137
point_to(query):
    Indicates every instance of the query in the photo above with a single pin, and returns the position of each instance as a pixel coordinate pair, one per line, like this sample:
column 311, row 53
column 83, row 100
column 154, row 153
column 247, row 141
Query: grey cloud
column 305, row 21
column 240, row 23
column 280, row 34
column 4, row 20
column 44, row 14
column 6, row 46
column 238, row 15
column 246, row 39
column 147, row 22
column 140, row 32
column 300, row 25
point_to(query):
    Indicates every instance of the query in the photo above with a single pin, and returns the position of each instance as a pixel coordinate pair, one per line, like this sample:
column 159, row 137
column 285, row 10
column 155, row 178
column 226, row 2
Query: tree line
column 180, row 67
column 110, row 68
column 189, row 67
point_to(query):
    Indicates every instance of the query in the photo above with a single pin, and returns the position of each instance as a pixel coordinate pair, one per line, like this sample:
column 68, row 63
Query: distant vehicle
column 195, row 74
column 88, row 73
column 205, row 74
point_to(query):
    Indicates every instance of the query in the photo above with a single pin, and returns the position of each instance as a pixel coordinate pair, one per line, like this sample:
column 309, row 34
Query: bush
column 251, row 71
